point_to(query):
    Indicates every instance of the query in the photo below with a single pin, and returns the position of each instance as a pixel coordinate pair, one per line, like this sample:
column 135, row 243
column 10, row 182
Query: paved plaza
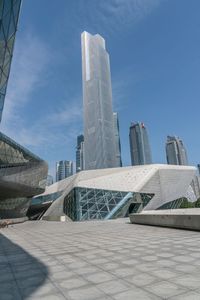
column 98, row 260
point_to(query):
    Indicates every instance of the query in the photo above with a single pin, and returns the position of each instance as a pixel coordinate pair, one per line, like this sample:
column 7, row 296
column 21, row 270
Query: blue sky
column 154, row 48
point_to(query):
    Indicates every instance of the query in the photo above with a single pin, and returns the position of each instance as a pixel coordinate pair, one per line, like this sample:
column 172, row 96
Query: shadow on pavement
column 20, row 273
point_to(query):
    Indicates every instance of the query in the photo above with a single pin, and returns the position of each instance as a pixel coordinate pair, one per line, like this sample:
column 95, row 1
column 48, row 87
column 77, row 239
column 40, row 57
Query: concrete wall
column 186, row 220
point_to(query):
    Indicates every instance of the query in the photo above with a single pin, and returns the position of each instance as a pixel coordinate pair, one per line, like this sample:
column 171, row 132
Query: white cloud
column 29, row 72
column 51, row 130
column 114, row 15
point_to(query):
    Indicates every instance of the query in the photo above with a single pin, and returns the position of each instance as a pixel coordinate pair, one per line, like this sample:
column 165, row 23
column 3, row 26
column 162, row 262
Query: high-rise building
column 99, row 140
column 80, row 153
column 9, row 13
column 64, row 169
column 49, row 180
column 175, row 151
column 139, row 145
column 198, row 167
column 117, row 139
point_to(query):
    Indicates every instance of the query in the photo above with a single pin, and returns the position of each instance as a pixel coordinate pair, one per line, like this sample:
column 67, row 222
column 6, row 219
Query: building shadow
column 21, row 274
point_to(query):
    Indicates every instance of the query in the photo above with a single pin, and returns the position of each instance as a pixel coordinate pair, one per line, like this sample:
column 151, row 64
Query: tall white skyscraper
column 99, row 140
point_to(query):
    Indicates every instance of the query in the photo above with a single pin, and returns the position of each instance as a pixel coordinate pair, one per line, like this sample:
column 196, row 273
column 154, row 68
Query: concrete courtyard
column 98, row 260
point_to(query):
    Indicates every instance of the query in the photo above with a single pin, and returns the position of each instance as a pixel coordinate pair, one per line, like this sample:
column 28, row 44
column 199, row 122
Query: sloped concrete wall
column 186, row 220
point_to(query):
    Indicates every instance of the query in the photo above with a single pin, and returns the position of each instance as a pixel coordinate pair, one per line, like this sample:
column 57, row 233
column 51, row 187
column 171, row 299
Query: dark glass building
column 9, row 13
column 117, row 139
column 139, row 145
column 175, row 151
column 80, row 153
column 22, row 176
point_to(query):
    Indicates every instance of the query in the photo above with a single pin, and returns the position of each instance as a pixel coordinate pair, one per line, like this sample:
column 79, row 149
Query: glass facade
column 40, row 204
column 139, row 145
column 99, row 140
column 89, row 204
column 46, row 198
column 9, row 13
column 22, row 175
column 172, row 204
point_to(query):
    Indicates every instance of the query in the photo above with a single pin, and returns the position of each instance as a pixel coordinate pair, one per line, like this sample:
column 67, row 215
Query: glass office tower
column 117, row 139
column 9, row 13
column 175, row 151
column 99, row 140
column 139, row 145
column 80, row 153
column 64, row 169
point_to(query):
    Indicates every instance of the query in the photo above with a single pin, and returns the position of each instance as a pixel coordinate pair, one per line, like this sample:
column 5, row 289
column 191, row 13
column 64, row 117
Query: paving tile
column 71, row 283
column 141, row 279
column 88, row 293
column 113, row 286
column 187, row 296
column 51, row 296
column 46, row 288
column 188, row 280
column 135, row 294
column 110, row 266
column 10, row 296
column 99, row 277
column 165, row 289
column 165, row 273
column 98, row 260
column 61, row 275
column 183, row 258
column 185, row 268
column 123, row 272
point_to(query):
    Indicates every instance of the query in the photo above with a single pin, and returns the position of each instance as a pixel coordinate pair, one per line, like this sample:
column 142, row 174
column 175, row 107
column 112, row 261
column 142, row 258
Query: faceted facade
column 139, row 145
column 117, row 139
column 115, row 192
column 99, row 140
column 175, row 151
column 22, row 176
column 9, row 13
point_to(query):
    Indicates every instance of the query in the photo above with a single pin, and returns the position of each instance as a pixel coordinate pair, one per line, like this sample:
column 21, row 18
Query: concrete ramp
column 176, row 218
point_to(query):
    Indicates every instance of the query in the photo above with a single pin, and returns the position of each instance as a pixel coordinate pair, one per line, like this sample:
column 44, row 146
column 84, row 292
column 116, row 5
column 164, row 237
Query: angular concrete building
column 116, row 192
column 22, row 176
